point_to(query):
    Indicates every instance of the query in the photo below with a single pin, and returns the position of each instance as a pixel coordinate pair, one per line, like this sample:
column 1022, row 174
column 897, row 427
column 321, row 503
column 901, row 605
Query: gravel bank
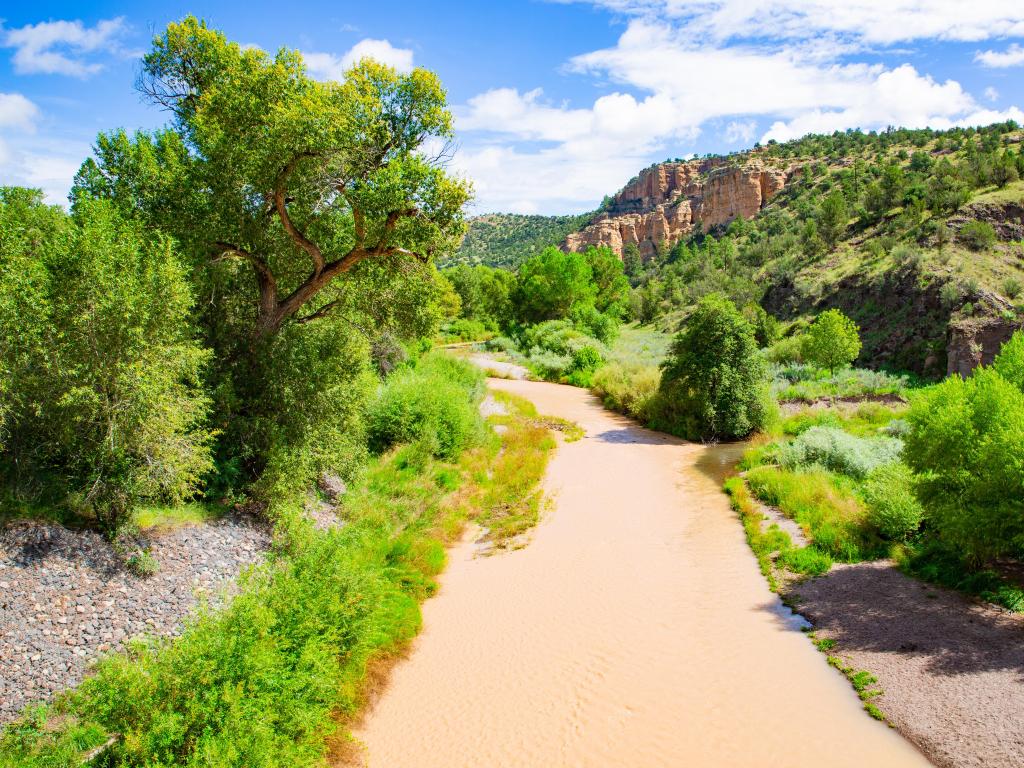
column 951, row 668
column 65, row 599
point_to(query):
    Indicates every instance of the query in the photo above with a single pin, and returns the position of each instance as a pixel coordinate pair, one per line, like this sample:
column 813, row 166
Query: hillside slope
column 505, row 239
column 916, row 234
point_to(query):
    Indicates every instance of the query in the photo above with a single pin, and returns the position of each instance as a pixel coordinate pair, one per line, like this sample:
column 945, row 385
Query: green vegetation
column 873, row 224
column 966, row 444
column 832, row 341
column 506, row 239
column 713, row 385
column 271, row 677
column 236, row 305
column 947, row 504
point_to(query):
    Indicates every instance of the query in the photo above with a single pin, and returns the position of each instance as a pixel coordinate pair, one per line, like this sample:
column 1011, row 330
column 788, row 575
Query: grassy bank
column 273, row 677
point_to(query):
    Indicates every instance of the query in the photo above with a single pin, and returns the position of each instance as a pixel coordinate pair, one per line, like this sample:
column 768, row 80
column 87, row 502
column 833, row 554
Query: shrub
column 977, row 235
column 628, row 388
column 951, row 294
column 832, row 341
column 786, row 351
column 433, row 404
column 966, row 443
column 893, row 506
column 1012, row 288
column 713, row 384
column 599, row 325
column 103, row 376
column 839, row 451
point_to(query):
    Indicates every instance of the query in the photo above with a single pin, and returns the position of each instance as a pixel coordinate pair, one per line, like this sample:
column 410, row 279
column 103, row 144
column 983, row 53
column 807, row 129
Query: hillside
column 505, row 239
column 916, row 234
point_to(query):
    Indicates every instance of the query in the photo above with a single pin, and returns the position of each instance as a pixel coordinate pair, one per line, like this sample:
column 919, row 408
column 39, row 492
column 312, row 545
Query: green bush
column 714, row 383
column 628, row 388
column 785, row 351
column 966, row 443
column 893, row 506
column 977, row 235
column 102, row 394
column 823, row 504
column 839, row 451
column 433, row 404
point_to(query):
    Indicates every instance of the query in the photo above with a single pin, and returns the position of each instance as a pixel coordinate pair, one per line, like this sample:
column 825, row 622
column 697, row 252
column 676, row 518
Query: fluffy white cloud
column 59, row 47
column 680, row 65
column 331, row 66
column 740, row 131
column 1011, row 57
column 866, row 21
column 47, row 164
column 991, row 94
column 17, row 112
column 520, row 147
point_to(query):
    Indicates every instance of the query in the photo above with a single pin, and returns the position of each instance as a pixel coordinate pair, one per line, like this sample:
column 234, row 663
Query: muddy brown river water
column 635, row 630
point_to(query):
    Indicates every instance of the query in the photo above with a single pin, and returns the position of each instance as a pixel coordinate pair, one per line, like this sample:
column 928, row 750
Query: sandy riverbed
column 634, row 630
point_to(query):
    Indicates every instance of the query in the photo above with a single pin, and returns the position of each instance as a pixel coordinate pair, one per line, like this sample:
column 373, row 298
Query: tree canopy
column 302, row 180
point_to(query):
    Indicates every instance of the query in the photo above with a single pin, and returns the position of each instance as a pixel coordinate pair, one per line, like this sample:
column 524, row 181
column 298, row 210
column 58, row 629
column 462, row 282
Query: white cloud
column 680, row 65
column 17, row 112
column 865, row 21
column 45, row 163
column 1011, row 57
column 58, row 47
column 740, row 131
column 991, row 94
column 331, row 66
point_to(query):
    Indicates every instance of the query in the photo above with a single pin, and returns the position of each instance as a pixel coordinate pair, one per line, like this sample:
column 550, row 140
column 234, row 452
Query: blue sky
column 557, row 103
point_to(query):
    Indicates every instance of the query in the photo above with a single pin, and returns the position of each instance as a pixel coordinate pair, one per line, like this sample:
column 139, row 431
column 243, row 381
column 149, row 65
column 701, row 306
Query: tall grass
column 824, row 505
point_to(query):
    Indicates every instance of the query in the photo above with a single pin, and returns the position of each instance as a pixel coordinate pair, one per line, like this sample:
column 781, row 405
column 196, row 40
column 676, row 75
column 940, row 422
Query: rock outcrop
column 665, row 202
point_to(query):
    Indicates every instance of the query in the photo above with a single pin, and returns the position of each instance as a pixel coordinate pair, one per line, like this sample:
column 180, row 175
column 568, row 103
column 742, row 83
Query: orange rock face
column 666, row 201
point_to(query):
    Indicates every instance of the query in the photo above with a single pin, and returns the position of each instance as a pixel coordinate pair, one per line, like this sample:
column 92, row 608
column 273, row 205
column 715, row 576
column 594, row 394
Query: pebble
column 67, row 599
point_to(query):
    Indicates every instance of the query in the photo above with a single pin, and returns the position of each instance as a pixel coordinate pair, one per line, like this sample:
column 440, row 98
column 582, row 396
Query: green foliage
column 832, row 341
column 102, row 384
column 608, row 274
column 838, row 451
column 506, row 239
column 485, row 294
column 551, row 284
column 966, row 443
column 977, row 235
column 629, row 388
column 433, row 404
column 809, row 384
column 713, row 385
column 832, row 217
column 893, row 506
column 824, row 505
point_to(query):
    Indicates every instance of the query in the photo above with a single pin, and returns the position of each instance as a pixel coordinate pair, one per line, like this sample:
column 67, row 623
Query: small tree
column 713, row 383
column 832, row 217
column 832, row 341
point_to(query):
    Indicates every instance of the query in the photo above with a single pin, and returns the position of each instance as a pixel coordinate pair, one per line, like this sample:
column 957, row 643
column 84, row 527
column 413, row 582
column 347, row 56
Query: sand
column 634, row 630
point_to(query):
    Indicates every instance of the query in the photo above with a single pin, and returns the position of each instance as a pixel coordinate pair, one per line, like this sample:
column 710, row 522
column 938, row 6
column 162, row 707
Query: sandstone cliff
column 666, row 201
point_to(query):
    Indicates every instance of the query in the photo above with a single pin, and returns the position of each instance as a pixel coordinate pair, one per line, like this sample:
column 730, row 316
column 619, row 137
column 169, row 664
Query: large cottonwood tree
column 302, row 180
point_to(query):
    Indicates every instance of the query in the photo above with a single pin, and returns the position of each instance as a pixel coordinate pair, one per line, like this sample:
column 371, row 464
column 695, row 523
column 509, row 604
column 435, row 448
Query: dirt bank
column 951, row 668
column 635, row 630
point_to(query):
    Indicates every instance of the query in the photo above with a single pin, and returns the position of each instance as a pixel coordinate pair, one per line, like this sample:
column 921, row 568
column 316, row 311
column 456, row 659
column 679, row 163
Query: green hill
column 505, row 239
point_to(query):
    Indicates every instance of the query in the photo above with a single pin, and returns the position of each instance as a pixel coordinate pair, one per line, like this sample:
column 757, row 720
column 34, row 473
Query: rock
column 332, row 486
column 666, row 201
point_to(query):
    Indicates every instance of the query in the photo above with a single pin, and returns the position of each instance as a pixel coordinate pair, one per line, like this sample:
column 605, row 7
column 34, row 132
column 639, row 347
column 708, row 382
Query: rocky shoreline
column 66, row 598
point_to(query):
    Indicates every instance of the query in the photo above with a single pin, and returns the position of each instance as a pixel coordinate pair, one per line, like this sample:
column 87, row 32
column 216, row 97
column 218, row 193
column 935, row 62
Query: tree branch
column 280, row 203
column 322, row 312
